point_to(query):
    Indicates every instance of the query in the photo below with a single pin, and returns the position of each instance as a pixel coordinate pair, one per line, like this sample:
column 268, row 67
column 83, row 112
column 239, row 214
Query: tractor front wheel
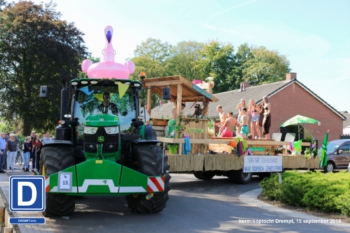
column 151, row 161
column 54, row 159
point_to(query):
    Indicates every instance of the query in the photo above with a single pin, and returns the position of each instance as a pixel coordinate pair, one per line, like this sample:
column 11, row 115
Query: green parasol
column 298, row 119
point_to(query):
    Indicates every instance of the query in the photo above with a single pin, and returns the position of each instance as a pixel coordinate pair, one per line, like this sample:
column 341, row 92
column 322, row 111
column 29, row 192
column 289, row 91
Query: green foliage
column 153, row 49
column 264, row 66
column 328, row 192
column 194, row 60
column 211, row 123
column 184, row 57
column 343, row 203
column 37, row 48
column 270, row 187
column 5, row 127
column 218, row 61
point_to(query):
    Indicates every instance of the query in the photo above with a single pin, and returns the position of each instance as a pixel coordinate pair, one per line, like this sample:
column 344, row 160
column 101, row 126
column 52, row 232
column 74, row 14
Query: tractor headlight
column 111, row 130
column 90, row 130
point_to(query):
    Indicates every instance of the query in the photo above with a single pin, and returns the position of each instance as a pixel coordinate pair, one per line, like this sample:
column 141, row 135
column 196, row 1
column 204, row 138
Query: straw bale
column 185, row 163
column 223, row 162
column 299, row 161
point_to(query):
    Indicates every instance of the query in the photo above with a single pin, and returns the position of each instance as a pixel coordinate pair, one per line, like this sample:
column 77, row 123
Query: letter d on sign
column 20, row 193
column 27, row 193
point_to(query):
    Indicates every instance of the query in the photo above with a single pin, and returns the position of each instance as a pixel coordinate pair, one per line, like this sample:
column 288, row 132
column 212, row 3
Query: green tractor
column 102, row 147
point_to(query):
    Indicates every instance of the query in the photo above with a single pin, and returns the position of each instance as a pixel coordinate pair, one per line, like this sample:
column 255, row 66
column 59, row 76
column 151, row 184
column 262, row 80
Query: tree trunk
column 27, row 126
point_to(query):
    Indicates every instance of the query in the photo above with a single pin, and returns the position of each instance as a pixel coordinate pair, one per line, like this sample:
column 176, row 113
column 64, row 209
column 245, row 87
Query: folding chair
column 276, row 136
column 289, row 137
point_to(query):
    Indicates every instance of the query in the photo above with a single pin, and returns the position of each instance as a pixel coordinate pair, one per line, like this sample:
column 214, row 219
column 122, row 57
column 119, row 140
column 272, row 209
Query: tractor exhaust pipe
column 64, row 99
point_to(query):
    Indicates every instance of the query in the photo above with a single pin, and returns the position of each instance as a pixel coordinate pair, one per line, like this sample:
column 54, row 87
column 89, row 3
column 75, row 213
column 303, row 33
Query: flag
column 324, row 157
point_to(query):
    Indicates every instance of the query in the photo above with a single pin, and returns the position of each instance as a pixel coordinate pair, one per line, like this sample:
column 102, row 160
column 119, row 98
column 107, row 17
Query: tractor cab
column 104, row 111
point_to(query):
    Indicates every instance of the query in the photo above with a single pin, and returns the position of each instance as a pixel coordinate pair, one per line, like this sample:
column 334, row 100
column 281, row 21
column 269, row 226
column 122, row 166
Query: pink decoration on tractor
column 197, row 81
column 108, row 68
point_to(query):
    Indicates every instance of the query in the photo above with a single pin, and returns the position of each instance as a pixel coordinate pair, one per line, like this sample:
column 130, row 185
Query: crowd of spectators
column 11, row 150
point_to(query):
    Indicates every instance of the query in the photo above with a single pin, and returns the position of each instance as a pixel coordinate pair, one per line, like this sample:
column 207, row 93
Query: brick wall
column 294, row 100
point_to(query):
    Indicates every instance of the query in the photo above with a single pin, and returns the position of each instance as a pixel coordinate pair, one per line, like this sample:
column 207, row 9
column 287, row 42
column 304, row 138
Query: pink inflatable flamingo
column 108, row 68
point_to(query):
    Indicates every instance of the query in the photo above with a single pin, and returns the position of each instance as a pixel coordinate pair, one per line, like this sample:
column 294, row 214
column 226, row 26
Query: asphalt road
column 194, row 206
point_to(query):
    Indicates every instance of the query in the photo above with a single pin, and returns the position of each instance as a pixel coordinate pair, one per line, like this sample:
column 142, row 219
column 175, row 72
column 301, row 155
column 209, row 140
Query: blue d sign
column 27, row 193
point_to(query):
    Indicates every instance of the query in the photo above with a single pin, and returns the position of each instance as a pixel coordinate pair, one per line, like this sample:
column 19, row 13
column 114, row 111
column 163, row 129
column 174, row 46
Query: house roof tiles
column 230, row 99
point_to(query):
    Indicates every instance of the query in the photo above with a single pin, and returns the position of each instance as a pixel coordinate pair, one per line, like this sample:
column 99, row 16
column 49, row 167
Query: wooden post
column 179, row 100
column 149, row 101
column 178, row 110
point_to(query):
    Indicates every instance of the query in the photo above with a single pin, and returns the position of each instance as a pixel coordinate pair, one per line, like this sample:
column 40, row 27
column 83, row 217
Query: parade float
column 208, row 156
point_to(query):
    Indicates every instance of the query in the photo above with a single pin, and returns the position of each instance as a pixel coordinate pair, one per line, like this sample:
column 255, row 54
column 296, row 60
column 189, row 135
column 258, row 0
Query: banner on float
column 262, row 164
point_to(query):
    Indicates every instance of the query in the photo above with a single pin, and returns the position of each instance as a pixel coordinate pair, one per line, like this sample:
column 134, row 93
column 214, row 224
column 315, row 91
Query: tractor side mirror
column 43, row 91
column 166, row 93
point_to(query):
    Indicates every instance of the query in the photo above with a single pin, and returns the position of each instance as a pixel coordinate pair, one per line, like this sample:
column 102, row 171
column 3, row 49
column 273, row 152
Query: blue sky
column 314, row 35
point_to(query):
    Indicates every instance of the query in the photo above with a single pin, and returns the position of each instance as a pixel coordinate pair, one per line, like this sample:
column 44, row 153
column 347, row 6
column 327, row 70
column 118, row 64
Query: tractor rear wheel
column 149, row 160
column 54, row 159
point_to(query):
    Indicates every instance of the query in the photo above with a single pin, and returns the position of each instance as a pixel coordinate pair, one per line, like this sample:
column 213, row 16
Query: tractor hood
column 102, row 120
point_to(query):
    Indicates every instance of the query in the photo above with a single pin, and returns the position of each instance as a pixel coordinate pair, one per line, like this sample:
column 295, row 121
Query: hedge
column 327, row 192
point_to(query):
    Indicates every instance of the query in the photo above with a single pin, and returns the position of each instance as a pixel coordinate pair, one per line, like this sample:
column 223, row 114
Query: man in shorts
column 228, row 127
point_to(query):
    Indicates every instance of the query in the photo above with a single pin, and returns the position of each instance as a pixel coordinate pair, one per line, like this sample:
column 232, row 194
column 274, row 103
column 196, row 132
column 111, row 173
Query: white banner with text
column 262, row 164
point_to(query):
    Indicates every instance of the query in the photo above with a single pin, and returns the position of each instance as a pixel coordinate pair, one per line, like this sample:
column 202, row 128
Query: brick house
column 288, row 98
column 346, row 123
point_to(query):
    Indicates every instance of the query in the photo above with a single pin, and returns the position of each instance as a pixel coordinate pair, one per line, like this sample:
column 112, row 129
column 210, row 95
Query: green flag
column 324, row 157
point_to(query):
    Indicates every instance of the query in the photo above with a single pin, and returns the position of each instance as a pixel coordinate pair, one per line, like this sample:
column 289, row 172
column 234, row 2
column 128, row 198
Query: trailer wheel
column 148, row 160
column 232, row 175
column 243, row 177
column 207, row 175
column 54, row 159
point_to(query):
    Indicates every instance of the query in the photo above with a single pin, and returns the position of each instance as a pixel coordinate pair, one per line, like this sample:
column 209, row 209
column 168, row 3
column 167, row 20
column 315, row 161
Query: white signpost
column 262, row 164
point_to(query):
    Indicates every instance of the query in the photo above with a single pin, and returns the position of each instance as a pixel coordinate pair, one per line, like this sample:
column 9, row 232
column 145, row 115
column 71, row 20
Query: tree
column 244, row 53
column 154, row 49
column 264, row 66
column 218, row 61
column 36, row 48
column 150, row 57
column 151, row 67
column 183, row 59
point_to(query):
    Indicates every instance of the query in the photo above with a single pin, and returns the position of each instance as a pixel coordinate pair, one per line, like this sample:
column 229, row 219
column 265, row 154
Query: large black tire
column 243, row 178
column 232, row 176
column 54, row 159
column 206, row 175
column 148, row 160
